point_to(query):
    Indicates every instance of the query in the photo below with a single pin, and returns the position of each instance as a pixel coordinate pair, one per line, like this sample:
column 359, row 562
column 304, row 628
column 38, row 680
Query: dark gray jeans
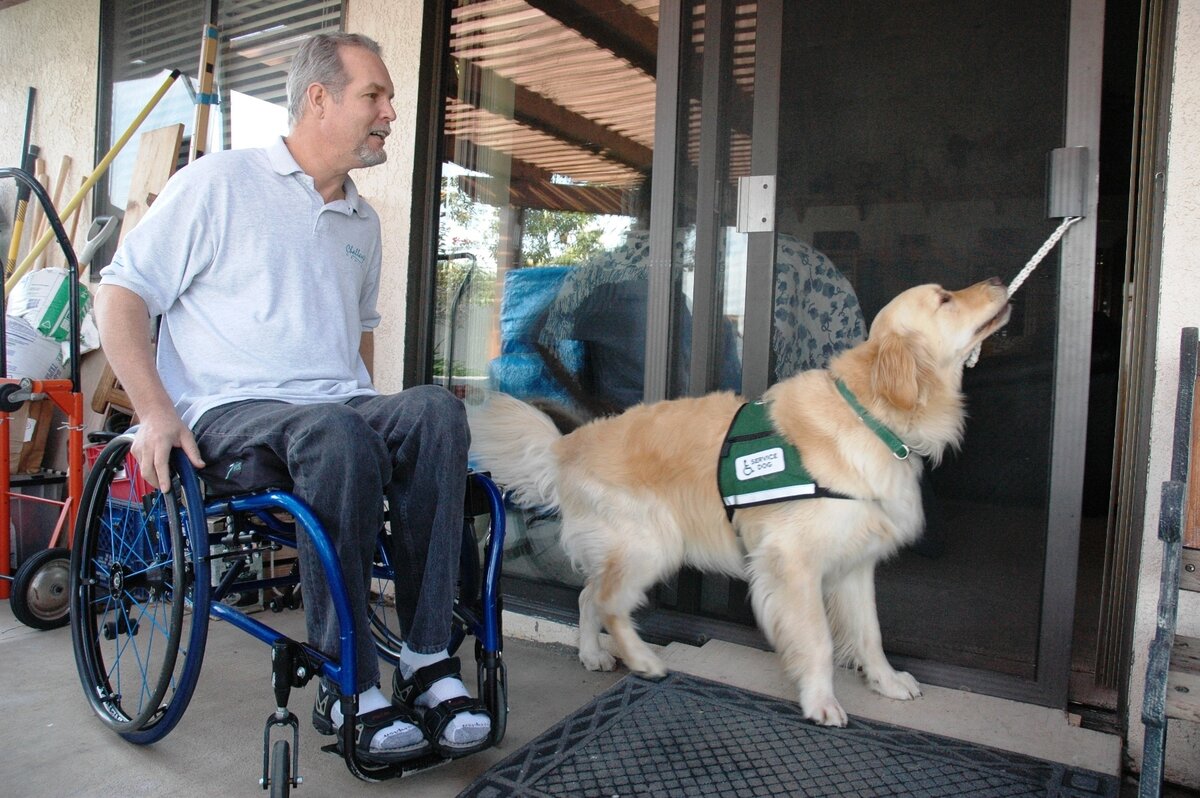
column 342, row 459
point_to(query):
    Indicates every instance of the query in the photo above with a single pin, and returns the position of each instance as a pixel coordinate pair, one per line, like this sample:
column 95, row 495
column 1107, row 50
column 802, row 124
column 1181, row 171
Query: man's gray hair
column 318, row 61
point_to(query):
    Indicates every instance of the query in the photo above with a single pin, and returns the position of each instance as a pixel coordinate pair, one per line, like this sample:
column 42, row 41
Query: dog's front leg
column 856, row 629
column 787, row 600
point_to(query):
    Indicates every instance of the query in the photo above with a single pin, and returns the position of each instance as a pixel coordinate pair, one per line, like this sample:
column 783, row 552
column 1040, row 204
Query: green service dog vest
column 757, row 465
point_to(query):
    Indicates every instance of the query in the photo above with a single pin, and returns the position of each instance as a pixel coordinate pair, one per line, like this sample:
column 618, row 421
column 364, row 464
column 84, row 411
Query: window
column 141, row 41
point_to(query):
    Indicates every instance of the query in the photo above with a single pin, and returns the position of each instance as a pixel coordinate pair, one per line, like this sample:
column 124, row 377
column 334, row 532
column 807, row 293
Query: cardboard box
column 27, row 431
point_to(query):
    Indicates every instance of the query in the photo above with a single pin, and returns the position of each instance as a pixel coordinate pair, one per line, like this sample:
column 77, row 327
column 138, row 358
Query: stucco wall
column 1177, row 309
column 52, row 46
column 396, row 25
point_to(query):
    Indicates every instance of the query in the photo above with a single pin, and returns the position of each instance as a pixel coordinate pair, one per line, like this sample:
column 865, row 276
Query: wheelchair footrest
column 372, row 772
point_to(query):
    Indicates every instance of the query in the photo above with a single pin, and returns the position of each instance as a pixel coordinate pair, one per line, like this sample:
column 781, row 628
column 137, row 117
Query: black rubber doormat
column 688, row 737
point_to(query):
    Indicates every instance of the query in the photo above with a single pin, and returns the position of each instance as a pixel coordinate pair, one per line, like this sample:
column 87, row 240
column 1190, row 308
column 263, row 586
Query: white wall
column 1177, row 309
column 51, row 45
column 396, row 25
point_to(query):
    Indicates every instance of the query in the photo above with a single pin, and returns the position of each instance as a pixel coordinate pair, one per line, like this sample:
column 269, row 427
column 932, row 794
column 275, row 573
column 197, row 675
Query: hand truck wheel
column 39, row 595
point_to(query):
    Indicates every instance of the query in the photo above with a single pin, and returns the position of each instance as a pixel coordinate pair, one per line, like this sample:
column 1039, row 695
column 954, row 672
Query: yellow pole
column 91, row 181
column 205, row 96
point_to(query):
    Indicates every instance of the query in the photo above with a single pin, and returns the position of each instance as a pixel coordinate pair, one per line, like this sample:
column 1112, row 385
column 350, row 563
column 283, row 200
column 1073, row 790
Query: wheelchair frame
column 138, row 550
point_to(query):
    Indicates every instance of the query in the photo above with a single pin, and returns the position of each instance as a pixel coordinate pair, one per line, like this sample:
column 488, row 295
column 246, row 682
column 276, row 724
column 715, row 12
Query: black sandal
column 367, row 725
column 435, row 719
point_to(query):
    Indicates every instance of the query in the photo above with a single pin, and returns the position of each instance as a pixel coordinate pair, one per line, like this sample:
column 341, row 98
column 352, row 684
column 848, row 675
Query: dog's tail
column 514, row 442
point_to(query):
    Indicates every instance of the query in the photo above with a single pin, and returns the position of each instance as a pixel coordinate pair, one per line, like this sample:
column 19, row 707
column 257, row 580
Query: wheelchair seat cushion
column 244, row 472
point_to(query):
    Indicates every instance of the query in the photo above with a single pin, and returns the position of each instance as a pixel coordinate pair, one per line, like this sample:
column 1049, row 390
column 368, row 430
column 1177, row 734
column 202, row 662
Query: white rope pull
column 1027, row 270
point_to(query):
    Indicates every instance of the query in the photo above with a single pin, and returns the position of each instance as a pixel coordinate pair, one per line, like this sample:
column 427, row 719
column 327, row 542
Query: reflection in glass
column 548, row 142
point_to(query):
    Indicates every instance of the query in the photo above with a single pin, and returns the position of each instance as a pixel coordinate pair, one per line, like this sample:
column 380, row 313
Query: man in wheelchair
column 264, row 268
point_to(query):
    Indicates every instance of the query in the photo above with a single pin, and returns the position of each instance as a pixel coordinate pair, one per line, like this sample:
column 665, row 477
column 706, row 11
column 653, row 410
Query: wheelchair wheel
column 385, row 624
column 139, row 588
column 281, row 769
column 466, row 604
column 39, row 590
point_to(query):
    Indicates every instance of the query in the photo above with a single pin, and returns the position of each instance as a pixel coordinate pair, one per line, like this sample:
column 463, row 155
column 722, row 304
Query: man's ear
column 318, row 99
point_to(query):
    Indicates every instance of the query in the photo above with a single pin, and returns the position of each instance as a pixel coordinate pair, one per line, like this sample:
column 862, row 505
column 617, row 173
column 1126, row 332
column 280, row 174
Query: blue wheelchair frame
column 98, row 584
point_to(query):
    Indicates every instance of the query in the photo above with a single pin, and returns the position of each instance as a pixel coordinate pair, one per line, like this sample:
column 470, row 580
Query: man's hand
column 152, row 445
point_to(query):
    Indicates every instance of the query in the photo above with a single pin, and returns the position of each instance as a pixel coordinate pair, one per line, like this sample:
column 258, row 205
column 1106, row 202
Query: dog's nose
column 994, row 281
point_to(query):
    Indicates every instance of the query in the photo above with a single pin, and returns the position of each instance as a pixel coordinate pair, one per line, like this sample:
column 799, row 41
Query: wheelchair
column 142, row 593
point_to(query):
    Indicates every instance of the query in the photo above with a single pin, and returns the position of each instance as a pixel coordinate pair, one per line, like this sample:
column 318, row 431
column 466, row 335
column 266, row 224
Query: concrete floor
column 52, row 745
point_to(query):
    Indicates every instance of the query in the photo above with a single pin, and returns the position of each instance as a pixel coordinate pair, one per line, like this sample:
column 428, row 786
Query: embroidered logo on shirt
column 759, row 464
column 355, row 253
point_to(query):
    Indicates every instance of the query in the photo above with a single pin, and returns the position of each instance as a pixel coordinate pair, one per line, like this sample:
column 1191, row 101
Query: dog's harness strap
column 898, row 447
column 757, row 465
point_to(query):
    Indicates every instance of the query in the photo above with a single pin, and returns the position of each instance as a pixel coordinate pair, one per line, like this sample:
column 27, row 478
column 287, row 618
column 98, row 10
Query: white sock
column 468, row 727
column 391, row 738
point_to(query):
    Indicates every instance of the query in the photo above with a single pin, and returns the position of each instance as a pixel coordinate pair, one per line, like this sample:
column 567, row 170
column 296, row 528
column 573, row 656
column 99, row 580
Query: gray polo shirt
column 263, row 288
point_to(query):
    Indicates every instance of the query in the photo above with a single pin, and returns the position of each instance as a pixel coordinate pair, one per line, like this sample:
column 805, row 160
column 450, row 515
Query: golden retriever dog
column 639, row 499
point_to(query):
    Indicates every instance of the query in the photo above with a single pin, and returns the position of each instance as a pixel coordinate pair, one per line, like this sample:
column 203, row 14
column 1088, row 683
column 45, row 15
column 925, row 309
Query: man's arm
column 124, row 324
column 366, row 349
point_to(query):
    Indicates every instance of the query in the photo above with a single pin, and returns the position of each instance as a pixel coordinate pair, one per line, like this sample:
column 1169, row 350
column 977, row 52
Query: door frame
column 1071, row 375
column 1073, row 338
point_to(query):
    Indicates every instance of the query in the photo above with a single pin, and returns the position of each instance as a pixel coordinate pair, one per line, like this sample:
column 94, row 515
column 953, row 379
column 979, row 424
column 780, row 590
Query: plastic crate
column 122, row 487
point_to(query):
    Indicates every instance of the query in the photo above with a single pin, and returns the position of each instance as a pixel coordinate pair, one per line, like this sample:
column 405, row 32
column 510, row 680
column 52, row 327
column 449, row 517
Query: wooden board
column 157, row 155
column 1189, row 570
column 158, row 152
column 1191, row 518
column 1183, row 680
column 110, row 393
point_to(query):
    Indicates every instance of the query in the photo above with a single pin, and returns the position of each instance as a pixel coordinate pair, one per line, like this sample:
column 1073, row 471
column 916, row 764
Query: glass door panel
column 913, row 145
column 541, row 285
column 709, row 259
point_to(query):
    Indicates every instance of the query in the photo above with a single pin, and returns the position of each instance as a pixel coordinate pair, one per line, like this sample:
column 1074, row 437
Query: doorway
column 906, row 145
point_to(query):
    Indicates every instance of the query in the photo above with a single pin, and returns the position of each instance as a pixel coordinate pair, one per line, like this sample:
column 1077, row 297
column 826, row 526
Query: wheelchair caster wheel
column 281, row 770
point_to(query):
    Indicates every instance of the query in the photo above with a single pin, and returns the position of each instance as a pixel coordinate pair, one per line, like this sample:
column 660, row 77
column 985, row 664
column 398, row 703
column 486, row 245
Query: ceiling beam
column 540, row 113
column 612, row 25
column 477, row 158
column 547, row 196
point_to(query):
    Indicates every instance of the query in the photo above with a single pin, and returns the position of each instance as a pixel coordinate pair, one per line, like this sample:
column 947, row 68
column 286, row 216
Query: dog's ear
column 900, row 371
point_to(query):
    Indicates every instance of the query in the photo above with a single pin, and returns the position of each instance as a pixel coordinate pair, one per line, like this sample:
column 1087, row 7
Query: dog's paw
column 598, row 660
column 647, row 666
column 897, row 685
column 824, row 711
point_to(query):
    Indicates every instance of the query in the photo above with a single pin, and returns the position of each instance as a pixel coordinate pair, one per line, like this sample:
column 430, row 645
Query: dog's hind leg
column 787, row 599
column 591, row 651
column 856, row 630
column 620, row 588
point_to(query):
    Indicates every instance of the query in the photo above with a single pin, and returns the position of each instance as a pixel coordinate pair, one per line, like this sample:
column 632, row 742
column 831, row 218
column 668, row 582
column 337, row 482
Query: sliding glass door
column 644, row 200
